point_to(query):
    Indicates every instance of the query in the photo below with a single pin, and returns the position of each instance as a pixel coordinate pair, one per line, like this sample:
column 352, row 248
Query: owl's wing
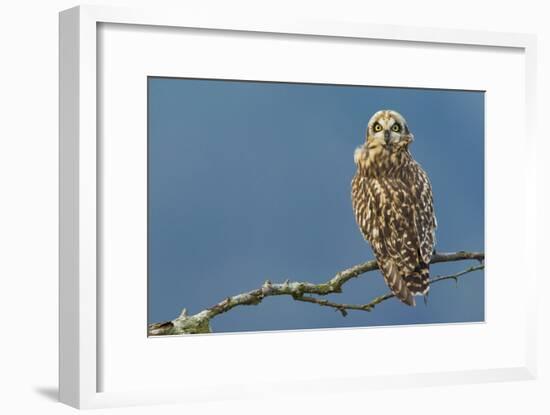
column 425, row 219
column 384, row 211
column 395, row 215
column 385, row 214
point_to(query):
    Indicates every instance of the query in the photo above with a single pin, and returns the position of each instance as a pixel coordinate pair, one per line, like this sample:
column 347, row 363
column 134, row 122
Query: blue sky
column 250, row 181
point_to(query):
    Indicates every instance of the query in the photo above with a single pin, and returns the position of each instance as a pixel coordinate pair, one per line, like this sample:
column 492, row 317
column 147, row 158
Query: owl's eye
column 396, row 128
column 377, row 127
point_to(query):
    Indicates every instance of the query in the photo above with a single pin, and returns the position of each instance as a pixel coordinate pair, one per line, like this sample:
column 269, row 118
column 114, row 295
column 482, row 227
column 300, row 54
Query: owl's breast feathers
column 393, row 206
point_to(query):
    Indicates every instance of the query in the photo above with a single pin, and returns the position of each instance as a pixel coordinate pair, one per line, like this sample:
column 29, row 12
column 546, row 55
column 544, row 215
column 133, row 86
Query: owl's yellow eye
column 396, row 128
column 377, row 127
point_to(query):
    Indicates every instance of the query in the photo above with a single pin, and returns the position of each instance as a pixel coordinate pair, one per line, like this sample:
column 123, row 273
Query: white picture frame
column 80, row 298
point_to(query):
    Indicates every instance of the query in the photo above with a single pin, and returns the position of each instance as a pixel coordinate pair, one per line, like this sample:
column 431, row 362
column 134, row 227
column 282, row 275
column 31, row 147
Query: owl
column 393, row 205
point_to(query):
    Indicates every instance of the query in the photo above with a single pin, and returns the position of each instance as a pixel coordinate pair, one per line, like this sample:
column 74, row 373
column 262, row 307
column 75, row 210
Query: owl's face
column 388, row 129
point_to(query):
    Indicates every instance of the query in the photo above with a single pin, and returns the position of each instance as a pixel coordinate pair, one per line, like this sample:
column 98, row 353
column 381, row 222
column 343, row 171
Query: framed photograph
column 293, row 194
column 228, row 196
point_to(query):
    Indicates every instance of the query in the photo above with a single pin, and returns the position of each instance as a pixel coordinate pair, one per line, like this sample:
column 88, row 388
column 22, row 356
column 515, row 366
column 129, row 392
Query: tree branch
column 343, row 308
column 200, row 322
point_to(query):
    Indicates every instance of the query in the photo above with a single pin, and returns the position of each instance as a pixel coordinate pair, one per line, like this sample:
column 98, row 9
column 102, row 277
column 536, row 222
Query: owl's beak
column 387, row 136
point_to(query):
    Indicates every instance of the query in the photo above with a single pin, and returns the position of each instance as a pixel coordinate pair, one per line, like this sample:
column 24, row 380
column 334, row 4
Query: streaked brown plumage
column 393, row 205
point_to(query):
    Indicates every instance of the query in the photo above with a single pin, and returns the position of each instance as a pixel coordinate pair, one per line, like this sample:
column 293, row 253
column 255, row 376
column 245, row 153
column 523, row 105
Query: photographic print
column 294, row 206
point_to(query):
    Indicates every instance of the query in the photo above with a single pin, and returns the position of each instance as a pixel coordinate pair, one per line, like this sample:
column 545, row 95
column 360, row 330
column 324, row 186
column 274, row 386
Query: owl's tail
column 418, row 282
column 406, row 287
column 396, row 282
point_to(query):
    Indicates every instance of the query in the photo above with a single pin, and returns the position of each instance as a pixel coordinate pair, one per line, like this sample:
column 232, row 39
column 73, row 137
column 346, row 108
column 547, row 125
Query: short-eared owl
column 393, row 205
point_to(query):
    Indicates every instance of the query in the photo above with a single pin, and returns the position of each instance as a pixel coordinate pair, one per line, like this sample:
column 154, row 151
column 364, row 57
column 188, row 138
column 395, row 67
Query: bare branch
column 200, row 322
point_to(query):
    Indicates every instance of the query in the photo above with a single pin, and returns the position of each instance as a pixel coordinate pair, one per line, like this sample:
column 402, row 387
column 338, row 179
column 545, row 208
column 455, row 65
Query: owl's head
column 388, row 129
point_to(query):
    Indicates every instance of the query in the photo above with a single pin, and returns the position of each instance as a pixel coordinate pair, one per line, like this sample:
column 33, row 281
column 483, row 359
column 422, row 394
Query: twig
column 200, row 322
column 343, row 308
